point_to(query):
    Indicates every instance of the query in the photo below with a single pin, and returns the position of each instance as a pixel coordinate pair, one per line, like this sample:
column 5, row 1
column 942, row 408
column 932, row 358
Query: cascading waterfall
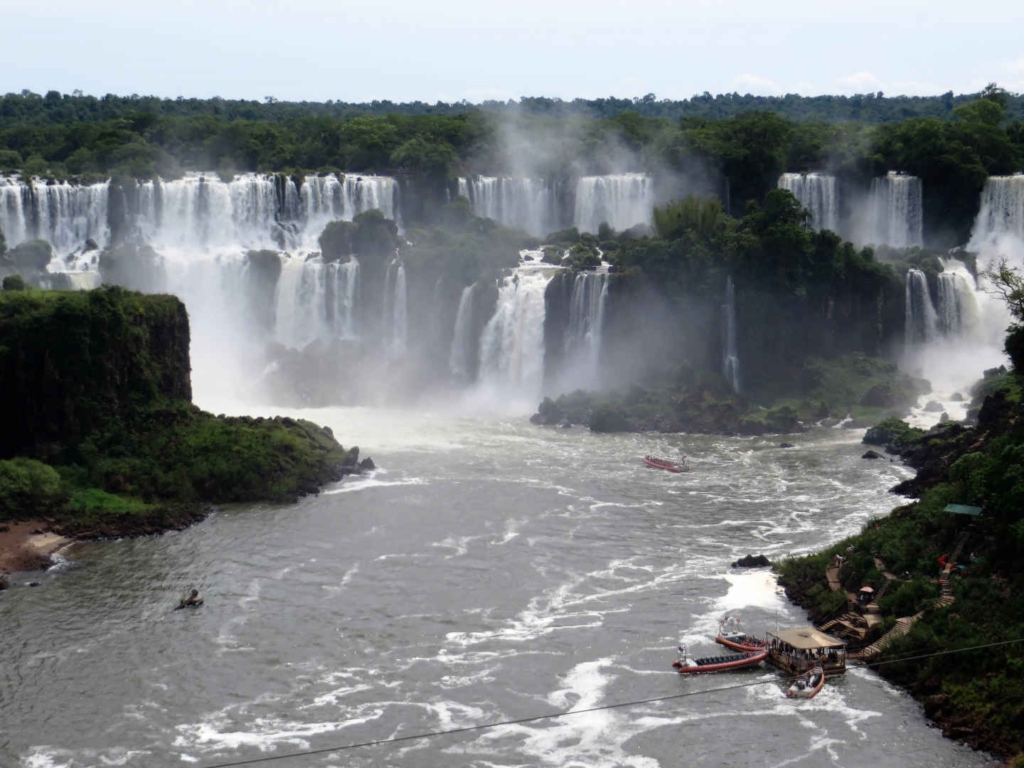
column 620, row 200
column 396, row 329
column 64, row 214
column 459, row 362
column 521, row 203
column 816, row 193
column 327, row 198
column 921, row 319
column 895, row 213
column 1001, row 213
column 315, row 301
column 586, row 323
column 512, row 342
column 957, row 305
column 730, row 351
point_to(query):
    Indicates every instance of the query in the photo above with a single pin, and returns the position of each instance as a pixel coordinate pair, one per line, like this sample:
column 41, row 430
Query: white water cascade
column 315, row 301
column 459, row 363
column 730, row 351
column 895, row 212
column 621, row 200
column 921, row 320
column 64, row 214
column 327, row 198
column 512, row 342
column 520, row 203
column 956, row 306
column 396, row 327
column 583, row 334
column 1001, row 215
column 816, row 193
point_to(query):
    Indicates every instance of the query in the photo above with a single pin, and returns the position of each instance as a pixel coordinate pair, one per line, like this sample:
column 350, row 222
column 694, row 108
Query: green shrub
column 14, row 283
column 29, row 488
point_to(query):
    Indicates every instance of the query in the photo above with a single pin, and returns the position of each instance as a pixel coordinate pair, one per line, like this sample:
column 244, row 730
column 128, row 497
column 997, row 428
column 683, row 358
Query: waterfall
column 622, row 200
column 583, row 334
column 327, row 198
column 895, row 211
column 520, row 203
column 957, row 307
column 816, row 193
column 730, row 352
column 396, row 328
column 315, row 301
column 64, row 214
column 512, row 342
column 459, row 362
column 921, row 320
column 1001, row 213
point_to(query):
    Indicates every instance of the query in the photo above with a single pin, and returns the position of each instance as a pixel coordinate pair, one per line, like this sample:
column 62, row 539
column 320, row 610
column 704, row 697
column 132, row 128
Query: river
column 488, row 570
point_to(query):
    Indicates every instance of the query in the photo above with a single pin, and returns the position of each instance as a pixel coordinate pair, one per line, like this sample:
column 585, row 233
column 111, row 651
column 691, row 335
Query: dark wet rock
column 366, row 465
column 872, row 455
column 786, row 445
column 933, row 406
column 943, row 418
column 752, row 561
column 90, row 245
column 4, row 583
column 566, row 425
column 957, row 397
column 548, row 413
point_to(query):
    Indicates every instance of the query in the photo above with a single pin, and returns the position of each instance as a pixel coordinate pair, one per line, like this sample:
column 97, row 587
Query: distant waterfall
column 921, row 320
column 957, row 307
column 622, row 200
column 730, row 352
column 816, row 193
column 512, row 342
column 1002, row 211
column 64, row 214
column 521, row 203
column 459, row 363
column 895, row 213
column 315, row 301
column 586, row 323
column 396, row 329
column 326, row 198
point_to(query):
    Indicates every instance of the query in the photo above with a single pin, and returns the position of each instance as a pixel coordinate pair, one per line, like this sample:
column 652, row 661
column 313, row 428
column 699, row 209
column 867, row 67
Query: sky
column 450, row 50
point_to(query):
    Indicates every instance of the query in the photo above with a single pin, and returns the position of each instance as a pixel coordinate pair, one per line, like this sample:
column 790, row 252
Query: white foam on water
column 369, row 483
column 458, row 543
column 591, row 738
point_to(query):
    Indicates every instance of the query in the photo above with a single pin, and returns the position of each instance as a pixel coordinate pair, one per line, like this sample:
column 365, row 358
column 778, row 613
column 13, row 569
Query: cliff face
column 71, row 363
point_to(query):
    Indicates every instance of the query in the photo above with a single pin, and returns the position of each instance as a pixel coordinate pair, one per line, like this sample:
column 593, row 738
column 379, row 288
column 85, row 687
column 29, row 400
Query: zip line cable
column 556, row 715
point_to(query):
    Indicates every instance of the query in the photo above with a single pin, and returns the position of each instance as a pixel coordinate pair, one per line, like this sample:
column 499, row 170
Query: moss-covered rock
column 31, row 255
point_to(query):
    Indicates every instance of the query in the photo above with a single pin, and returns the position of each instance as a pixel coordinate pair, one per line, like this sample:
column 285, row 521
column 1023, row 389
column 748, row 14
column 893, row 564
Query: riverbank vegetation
column 975, row 695
column 104, row 439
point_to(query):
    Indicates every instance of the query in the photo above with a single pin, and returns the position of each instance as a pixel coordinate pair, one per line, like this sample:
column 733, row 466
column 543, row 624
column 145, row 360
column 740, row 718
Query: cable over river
column 488, row 570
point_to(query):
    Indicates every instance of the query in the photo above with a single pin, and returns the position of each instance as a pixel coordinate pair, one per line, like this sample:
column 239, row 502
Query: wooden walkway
column 904, row 624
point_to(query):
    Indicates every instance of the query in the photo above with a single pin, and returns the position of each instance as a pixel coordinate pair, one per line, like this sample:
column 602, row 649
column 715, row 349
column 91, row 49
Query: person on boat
column 193, row 598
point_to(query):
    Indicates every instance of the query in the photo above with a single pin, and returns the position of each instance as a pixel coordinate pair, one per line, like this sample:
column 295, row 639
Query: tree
column 1007, row 283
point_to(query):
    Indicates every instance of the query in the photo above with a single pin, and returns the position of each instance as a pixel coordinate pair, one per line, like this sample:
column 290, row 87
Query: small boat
column 732, row 636
column 686, row 665
column 668, row 466
column 807, row 686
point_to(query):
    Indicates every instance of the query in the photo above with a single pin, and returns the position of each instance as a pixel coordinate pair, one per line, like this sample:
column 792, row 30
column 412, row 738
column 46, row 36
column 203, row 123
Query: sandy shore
column 27, row 546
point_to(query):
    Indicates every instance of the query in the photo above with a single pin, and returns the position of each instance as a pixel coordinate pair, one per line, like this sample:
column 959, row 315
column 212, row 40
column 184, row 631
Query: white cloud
column 860, row 82
column 756, row 85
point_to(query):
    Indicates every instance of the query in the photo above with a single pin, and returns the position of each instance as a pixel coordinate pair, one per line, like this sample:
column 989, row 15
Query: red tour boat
column 732, row 636
column 686, row 665
column 668, row 466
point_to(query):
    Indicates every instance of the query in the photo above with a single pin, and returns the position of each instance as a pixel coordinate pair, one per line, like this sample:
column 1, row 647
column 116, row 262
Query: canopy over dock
column 797, row 650
column 962, row 509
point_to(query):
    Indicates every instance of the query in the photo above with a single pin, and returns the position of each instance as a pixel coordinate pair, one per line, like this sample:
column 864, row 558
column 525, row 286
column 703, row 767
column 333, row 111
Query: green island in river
column 105, row 441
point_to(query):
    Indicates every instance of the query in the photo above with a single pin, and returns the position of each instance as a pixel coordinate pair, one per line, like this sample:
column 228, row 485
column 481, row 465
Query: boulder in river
column 872, row 455
column 752, row 561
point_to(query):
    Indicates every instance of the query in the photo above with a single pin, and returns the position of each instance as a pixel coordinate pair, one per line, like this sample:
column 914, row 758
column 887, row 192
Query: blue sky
column 450, row 50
